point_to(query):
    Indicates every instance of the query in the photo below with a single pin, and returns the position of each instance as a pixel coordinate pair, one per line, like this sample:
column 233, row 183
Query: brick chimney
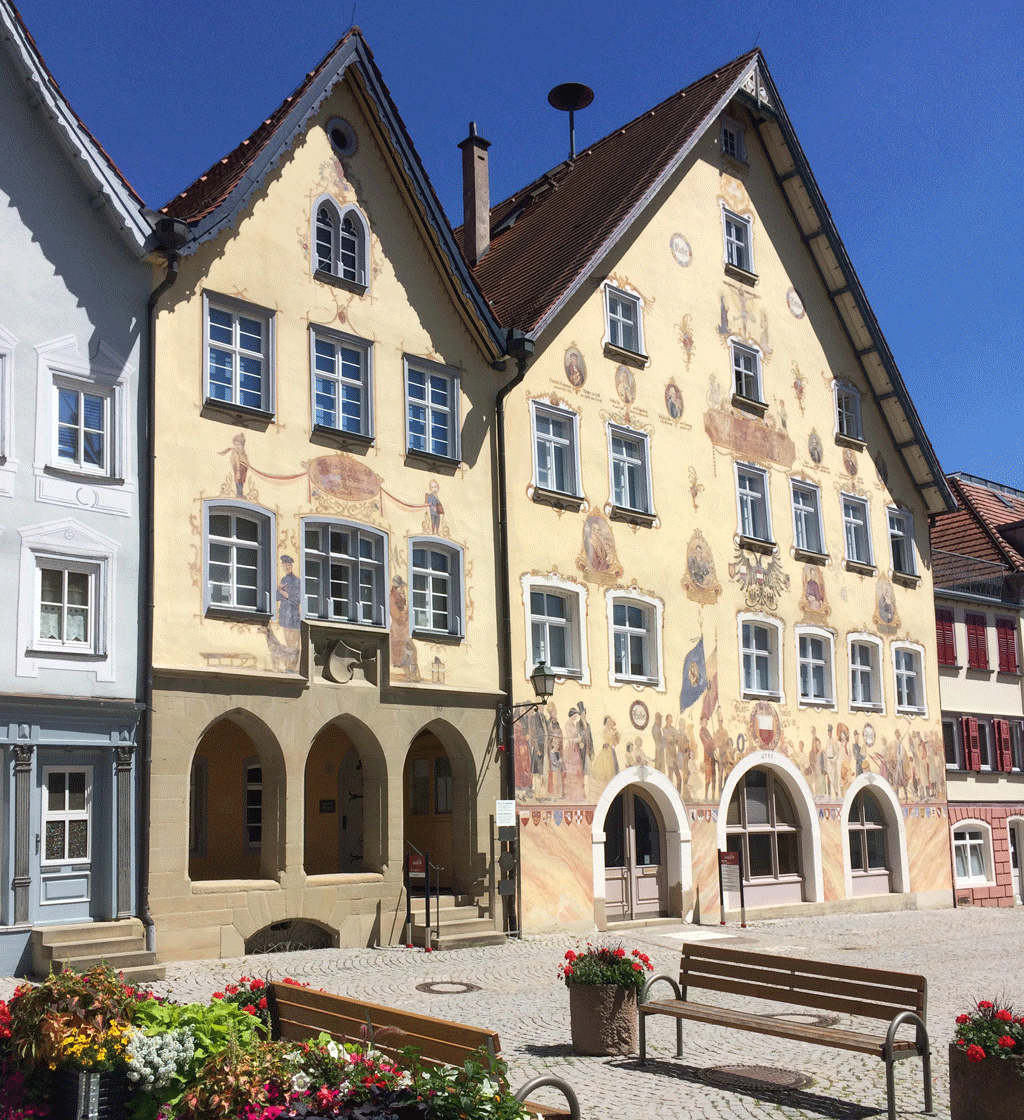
column 476, row 196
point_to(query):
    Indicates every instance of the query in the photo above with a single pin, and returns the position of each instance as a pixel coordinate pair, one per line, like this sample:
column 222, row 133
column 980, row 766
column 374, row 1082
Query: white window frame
column 67, row 544
column 8, row 462
column 355, row 274
column 653, row 610
column 641, row 464
column 427, row 369
column 738, row 145
column 916, row 651
column 66, row 815
column 324, row 557
column 804, row 637
column 575, row 598
column 982, row 843
column 868, row 560
column 77, row 463
column 848, row 419
column 875, row 643
column 750, row 470
column 959, row 750
column 93, row 575
column 804, row 513
column 266, row 539
column 339, row 340
column 237, row 308
column 571, row 443
column 736, row 247
column 613, row 322
column 906, row 519
column 774, row 629
column 455, row 627
column 739, row 350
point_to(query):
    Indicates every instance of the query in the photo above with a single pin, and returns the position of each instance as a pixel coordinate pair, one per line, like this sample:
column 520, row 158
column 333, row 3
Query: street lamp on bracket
column 543, row 680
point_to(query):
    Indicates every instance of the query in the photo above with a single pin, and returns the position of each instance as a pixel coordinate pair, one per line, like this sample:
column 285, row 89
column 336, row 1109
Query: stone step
column 121, row 945
column 464, row 925
column 447, row 913
column 87, row 931
column 483, row 936
column 125, row 958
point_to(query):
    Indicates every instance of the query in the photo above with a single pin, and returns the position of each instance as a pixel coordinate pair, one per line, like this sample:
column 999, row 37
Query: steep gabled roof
column 97, row 170
column 549, row 237
column 215, row 200
column 986, row 525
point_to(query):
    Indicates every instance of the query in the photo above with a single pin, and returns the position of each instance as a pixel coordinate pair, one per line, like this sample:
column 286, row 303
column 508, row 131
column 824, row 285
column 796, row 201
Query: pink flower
column 1006, row 1042
column 975, row 1052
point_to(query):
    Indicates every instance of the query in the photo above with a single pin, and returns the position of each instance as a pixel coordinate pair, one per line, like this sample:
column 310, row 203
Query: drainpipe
column 171, row 234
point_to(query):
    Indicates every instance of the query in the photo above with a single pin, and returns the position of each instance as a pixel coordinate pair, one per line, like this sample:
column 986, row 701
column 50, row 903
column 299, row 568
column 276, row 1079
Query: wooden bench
column 896, row 998
column 299, row 1013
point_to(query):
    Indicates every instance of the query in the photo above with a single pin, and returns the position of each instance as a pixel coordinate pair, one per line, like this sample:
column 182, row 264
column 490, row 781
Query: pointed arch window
column 340, row 241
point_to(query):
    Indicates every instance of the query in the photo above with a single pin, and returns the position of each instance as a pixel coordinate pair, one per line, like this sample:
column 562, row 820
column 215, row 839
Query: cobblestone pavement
column 966, row 954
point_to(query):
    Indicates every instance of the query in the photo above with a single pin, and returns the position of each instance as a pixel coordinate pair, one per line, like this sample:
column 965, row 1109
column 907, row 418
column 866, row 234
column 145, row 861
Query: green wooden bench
column 896, row 998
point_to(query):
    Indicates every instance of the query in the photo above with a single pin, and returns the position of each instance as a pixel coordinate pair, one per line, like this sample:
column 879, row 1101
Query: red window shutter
column 944, row 637
column 1003, row 746
column 1007, row 635
column 977, row 645
column 972, row 743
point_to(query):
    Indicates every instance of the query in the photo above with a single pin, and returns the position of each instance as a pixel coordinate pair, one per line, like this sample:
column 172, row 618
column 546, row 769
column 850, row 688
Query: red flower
column 218, row 995
column 262, row 1005
column 1006, row 1042
column 249, row 1007
column 637, row 967
column 620, row 952
column 568, row 970
column 570, row 955
column 961, row 1019
column 256, row 985
column 231, row 989
column 984, row 1004
column 1004, row 1016
column 975, row 1052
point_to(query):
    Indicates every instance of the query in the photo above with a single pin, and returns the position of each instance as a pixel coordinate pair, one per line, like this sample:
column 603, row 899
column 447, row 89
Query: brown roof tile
column 976, row 528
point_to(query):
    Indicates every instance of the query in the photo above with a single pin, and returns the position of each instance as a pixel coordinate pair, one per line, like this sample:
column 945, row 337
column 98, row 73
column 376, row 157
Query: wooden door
column 635, row 881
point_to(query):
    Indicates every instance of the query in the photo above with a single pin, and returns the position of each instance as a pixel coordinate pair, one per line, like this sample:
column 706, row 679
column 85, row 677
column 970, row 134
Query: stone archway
column 895, row 832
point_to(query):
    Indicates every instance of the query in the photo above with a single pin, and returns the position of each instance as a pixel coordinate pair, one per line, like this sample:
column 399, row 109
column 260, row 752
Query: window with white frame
column 630, row 470
column 952, row 745
column 807, row 531
column 762, row 825
column 340, row 240
column 814, row 661
column 972, row 853
column 866, row 835
column 342, row 386
column 67, row 814
column 83, row 432
column 436, row 579
column 554, row 630
column 344, row 572
column 901, row 542
column 907, row 667
column 746, row 372
column 759, row 658
column 239, row 348
column 737, row 241
column 634, row 643
column 432, row 409
column 732, row 140
column 253, row 803
column 865, row 672
column 555, row 449
column 848, row 412
column 238, row 558
column 624, row 322
column 752, row 502
column 855, row 530
column 68, row 607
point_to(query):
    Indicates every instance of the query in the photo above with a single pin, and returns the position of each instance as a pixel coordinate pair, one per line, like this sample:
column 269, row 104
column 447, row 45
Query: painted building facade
column 718, row 495
column 325, row 629
column 979, row 576
column 73, row 237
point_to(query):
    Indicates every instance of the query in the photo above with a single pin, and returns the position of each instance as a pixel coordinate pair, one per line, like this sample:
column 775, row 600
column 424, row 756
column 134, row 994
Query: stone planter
column 603, row 1018
column 91, row 1096
column 988, row 1090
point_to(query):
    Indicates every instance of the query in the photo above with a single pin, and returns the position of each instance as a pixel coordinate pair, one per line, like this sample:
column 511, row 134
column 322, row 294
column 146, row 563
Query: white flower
column 300, row 1082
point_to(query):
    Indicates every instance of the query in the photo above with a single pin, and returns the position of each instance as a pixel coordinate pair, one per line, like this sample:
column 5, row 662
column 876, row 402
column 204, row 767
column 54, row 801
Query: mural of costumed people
column 606, row 765
column 433, row 503
column 283, row 640
column 538, row 734
column 573, row 751
column 586, row 748
column 659, row 743
column 554, row 754
column 403, row 651
column 239, row 462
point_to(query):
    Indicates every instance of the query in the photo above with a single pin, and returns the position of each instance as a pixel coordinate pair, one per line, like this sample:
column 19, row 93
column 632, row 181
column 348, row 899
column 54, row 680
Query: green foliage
column 477, row 1089
column 992, row 1030
column 237, row 1082
column 605, row 966
column 214, row 1026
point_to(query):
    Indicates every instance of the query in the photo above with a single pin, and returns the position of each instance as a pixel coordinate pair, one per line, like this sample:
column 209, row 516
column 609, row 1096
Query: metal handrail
column 427, row 865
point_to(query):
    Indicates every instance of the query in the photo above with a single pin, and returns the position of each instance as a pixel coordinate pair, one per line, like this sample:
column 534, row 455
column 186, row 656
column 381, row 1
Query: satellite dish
column 570, row 97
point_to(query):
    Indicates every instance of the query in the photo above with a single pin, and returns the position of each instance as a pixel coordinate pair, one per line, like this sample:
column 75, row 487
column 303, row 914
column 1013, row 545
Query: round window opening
column 342, row 136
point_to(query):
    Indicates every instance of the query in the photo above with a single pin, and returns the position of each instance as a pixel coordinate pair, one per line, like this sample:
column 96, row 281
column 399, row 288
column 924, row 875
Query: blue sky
column 910, row 117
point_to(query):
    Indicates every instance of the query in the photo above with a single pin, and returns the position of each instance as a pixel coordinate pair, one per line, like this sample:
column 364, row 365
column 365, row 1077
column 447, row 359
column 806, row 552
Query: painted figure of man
column 289, row 591
column 434, row 505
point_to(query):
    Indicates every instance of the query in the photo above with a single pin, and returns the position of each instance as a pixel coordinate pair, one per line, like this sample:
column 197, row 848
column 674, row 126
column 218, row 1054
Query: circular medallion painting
column 625, row 384
column 681, row 250
column 795, row 303
column 575, row 368
column 638, row 715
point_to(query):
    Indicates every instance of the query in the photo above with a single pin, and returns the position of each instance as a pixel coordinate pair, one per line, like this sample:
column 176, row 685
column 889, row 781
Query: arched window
column 763, row 827
column 326, row 237
column 340, row 240
column 869, row 863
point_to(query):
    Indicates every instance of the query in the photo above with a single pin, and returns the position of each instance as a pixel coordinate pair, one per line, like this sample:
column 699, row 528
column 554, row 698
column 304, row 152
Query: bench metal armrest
column 653, row 980
column 920, row 1031
column 556, row 1083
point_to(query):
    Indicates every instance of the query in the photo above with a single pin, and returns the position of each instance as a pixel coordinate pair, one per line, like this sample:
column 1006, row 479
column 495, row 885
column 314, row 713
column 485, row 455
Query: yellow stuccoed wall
column 673, row 258
column 207, row 667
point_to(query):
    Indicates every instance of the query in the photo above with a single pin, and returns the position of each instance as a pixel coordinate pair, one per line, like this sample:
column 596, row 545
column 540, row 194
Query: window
column 340, row 240
column 554, row 631
column 807, row 534
column 746, row 371
column 1003, row 744
column 342, row 397
column 66, row 599
column 345, row 576
column 732, row 140
column 238, row 355
column 901, row 542
column 436, row 589
column 1016, row 745
column 974, row 737
column 1006, row 636
column 555, row 449
column 971, row 853
column 866, row 835
column 848, row 412
column 977, row 641
column 759, row 656
column 865, row 676
column 814, row 658
column 762, row 826
column 67, row 813
column 238, row 558
column 432, row 409
column 632, row 641
column 945, row 639
column 752, row 502
column 623, row 320
column 909, row 680
column 197, row 806
column 7, row 344
column 253, row 804
column 855, row 528
column 954, row 753
column 630, row 475
column 737, row 241
column 83, row 429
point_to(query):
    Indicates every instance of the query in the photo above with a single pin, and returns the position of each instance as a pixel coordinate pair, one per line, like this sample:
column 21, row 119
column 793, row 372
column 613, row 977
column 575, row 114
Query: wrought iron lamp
column 543, row 680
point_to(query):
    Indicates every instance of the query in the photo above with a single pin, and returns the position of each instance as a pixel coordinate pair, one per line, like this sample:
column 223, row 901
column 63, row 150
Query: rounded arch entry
column 335, row 805
column 635, row 875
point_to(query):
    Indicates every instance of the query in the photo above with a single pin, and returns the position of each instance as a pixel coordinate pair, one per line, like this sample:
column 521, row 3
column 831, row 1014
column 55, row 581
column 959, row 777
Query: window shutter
column 972, row 743
column 1004, row 751
column 1007, row 636
column 944, row 637
column 977, row 648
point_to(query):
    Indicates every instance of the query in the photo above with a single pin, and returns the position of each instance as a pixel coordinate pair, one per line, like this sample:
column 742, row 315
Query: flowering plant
column 250, row 994
column 991, row 1031
column 601, row 965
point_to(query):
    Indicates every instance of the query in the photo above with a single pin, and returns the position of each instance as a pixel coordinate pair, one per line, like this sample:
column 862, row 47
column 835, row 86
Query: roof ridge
column 1004, row 547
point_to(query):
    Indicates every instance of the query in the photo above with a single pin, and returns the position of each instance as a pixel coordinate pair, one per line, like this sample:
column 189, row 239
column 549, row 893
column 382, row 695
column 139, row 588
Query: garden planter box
column 91, row 1096
column 603, row 1018
column 989, row 1090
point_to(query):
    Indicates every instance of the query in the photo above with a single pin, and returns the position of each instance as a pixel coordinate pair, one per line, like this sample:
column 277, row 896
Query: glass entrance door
column 635, row 882
column 64, row 844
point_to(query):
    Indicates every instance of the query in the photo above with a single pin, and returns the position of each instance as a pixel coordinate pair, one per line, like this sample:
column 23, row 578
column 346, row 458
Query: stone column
column 125, row 851
column 22, row 881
